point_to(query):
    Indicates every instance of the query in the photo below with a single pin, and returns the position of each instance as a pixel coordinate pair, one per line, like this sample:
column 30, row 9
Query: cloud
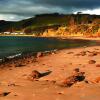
column 19, row 9
column 11, row 17
column 94, row 11
column 82, row 4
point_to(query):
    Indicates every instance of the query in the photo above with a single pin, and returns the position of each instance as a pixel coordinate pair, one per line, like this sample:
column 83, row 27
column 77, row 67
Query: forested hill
column 44, row 21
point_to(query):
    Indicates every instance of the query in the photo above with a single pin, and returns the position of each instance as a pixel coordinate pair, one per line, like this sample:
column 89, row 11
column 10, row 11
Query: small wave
column 13, row 56
column 1, row 60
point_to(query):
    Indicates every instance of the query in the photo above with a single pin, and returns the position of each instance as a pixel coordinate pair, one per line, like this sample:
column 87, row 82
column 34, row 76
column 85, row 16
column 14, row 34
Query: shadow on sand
column 45, row 73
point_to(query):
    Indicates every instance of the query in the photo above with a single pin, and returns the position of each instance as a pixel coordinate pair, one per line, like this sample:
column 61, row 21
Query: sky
column 14, row 10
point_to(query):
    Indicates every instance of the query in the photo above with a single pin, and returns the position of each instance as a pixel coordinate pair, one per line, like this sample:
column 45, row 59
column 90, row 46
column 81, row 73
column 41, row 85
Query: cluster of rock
column 77, row 76
column 88, row 53
column 41, row 54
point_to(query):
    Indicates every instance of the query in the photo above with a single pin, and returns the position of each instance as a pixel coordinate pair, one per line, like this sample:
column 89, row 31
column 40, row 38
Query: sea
column 12, row 46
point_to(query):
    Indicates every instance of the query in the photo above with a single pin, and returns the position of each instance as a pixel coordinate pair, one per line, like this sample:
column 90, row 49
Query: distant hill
column 41, row 22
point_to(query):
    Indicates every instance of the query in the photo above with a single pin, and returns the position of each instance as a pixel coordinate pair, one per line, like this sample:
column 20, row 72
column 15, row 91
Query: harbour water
column 13, row 45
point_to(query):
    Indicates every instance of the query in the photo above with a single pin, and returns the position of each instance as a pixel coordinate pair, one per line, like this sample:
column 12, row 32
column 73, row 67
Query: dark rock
column 3, row 94
column 98, row 65
column 76, row 77
column 60, row 93
column 83, row 53
column 70, row 52
column 86, row 81
column 35, row 75
column 53, row 81
column 92, row 62
column 10, row 69
column 76, row 70
column 93, row 53
column 12, row 84
column 96, row 48
column 15, row 95
column 19, row 65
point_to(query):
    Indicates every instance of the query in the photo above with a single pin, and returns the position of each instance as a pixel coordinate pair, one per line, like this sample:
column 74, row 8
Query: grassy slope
column 46, row 20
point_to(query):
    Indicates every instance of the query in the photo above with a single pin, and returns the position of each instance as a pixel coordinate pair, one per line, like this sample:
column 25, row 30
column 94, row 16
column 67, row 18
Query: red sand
column 14, row 79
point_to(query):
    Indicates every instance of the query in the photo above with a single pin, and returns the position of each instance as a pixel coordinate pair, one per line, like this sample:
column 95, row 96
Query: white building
column 6, row 33
column 21, row 33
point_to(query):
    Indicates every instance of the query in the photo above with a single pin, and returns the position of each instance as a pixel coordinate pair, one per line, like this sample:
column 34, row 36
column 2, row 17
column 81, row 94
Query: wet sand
column 14, row 76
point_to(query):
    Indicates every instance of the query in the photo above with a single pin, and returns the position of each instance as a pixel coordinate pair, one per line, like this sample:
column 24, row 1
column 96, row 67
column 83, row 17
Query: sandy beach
column 56, row 67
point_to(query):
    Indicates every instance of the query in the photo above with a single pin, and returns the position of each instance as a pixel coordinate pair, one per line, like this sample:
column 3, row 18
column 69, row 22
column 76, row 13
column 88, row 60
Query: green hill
column 41, row 22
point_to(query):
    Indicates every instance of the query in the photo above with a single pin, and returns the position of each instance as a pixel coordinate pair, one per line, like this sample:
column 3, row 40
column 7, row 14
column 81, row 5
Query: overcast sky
column 21, row 9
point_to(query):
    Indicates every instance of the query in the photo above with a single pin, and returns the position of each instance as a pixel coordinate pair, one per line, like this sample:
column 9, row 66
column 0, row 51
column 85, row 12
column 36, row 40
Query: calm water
column 15, row 45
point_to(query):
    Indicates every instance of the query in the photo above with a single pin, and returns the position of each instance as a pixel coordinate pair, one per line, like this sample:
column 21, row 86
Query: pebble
column 91, row 61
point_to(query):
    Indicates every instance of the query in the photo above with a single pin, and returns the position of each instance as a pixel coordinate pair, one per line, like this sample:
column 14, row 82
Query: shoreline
column 22, row 56
column 59, row 37
column 34, row 54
